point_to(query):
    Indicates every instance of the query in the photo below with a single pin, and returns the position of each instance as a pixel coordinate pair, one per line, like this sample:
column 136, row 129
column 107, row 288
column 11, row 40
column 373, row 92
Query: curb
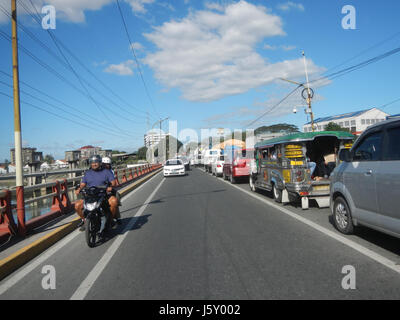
column 24, row 255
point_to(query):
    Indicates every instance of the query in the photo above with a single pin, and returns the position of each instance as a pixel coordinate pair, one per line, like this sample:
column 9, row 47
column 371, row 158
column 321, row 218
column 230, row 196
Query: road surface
column 199, row 237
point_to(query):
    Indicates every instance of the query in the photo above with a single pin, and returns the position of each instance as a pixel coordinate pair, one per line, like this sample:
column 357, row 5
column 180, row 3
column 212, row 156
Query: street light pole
column 308, row 93
column 159, row 121
column 17, row 125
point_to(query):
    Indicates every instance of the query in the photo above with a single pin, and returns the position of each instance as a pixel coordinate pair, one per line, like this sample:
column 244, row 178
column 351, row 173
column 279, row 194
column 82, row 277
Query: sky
column 203, row 64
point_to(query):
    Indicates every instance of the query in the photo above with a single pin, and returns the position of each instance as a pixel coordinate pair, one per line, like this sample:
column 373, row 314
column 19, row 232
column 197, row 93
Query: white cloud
column 214, row 6
column 291, row 5
column 122, row 69
column 72, row 10
column 136, row 46
column 210, row 55
column 138, row 6
column 269, row 47
column 283, row 47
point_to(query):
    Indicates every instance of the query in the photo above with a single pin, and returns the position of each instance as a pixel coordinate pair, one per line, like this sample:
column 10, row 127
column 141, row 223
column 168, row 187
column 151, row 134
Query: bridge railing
column 61, row 195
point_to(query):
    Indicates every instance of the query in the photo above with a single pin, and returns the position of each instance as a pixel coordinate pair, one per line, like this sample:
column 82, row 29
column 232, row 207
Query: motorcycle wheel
column 91, row 232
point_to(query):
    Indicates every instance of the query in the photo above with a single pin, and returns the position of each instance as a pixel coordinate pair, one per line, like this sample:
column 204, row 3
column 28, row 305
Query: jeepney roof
column 306, row 136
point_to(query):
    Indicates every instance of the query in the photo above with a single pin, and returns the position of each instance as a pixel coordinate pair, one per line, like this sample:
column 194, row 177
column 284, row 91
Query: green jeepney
column 290, row 166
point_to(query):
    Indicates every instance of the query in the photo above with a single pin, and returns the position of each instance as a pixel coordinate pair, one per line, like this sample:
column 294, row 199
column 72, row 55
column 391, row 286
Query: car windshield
column 175, row 162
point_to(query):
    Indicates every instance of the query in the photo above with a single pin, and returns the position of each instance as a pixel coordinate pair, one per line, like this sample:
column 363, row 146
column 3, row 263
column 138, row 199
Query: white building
column 356, row 122
column 152, row 138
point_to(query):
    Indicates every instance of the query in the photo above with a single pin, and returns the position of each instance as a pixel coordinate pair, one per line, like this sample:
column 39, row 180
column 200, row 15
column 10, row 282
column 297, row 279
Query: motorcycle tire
column 91, row 232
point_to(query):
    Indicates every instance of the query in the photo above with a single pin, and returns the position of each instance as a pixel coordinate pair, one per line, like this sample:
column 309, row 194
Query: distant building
column 72, row 156
column 89, row 151
column 29, row 156
column 84, row 153
column 153, row 138
column 356, row 122
column 105, row 153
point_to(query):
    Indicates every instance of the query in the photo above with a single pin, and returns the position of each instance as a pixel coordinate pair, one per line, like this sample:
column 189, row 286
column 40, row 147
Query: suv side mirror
column 345, row 155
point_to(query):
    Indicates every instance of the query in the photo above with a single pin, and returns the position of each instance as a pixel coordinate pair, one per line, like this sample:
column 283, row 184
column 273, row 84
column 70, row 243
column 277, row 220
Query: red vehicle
column 237, row 164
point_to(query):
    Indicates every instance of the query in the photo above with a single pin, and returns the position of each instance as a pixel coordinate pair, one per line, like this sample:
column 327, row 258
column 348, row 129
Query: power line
column 61, row 117
column 363, row 52
column 59, row 42
column 358, row 66
column 51, row 70
column 54, row 106
column 136, row 59
column 275, row 106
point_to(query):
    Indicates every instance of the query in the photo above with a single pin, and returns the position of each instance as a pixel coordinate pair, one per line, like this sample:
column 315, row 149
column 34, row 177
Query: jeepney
column 283, row 165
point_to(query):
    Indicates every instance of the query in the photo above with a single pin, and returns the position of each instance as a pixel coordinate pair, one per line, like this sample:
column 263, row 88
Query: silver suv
column 365, row 187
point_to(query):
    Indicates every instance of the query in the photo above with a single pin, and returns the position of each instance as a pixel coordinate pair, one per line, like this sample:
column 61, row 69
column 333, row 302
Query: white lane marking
column 34, row 264
column 14, row 279
column 87, row 284
column 363, row 250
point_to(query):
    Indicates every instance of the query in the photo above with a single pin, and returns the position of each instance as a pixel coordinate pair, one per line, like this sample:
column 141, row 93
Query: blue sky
column 206, row 64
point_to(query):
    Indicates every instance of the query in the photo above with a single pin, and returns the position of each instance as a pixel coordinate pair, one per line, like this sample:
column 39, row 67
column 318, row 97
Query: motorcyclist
column 97, row 176
column 107, row 164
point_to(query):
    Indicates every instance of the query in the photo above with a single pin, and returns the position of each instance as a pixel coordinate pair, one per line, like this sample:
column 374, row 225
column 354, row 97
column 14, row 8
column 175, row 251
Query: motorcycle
column 97, row 214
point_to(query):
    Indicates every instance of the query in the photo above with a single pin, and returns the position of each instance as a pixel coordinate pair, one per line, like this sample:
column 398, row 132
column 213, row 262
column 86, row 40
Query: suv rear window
column 392, row 150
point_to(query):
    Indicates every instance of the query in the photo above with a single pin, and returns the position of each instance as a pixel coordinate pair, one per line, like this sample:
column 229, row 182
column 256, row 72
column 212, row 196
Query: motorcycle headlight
column 90, row 206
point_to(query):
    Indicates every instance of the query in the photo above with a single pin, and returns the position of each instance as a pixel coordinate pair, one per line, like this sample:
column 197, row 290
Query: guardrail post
column 21, row 211
column 124, row 176
column 136, row 173
column 116, row 177
column 7, row 222
column 130, row 174
column 66, row 202
column 57, row 205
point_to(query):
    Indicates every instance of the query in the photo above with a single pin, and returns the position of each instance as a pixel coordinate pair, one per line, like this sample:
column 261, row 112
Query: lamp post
column 19, row 183
column 159, row 121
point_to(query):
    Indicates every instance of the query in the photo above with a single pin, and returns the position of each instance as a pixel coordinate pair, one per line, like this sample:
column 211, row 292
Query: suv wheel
column 342, row 216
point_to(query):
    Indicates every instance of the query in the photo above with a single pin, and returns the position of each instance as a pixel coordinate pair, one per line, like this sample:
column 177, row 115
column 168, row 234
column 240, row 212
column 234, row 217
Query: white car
column 174, row 167
column 217, row 166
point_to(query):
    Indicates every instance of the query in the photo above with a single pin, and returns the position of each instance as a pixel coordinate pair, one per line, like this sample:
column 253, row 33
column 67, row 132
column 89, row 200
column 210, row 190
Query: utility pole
column 17, row 125
column 309, row 97
column 310, row 92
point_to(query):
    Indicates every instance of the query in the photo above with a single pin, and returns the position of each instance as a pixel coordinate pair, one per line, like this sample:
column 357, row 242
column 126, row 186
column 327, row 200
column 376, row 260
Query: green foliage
column 285, row 127
column 331, row 126
column 48, row 158
column 141, row 153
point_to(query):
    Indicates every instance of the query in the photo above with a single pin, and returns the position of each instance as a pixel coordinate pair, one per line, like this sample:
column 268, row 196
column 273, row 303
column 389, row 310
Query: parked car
column 217, row 166
column 365, row 188
column 210, row 156
column 294, row 166
column 237, row 163
column 174, row 167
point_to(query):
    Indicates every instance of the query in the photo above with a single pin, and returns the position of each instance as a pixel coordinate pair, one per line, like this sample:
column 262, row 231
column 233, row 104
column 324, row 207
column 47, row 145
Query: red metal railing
column 61, row 203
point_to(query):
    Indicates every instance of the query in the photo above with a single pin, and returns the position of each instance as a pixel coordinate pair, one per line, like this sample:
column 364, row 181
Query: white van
column 210, row 156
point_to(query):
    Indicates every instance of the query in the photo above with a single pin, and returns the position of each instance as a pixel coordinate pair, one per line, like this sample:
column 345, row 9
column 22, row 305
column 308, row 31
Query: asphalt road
column 198, row 237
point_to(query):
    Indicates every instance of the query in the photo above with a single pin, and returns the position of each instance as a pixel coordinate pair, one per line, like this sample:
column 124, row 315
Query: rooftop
column 341, row 116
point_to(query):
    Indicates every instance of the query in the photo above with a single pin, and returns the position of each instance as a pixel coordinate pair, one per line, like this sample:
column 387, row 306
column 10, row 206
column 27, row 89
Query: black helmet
column 95, row 158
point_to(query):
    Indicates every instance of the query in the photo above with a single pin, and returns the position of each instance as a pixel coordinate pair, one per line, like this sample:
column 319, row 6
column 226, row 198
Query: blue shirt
column 98, row 178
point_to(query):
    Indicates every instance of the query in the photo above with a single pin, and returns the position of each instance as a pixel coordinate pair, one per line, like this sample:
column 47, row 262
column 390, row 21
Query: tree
column 48, row 158
column 141, row 153
column 332, row 126
column 285, row 127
